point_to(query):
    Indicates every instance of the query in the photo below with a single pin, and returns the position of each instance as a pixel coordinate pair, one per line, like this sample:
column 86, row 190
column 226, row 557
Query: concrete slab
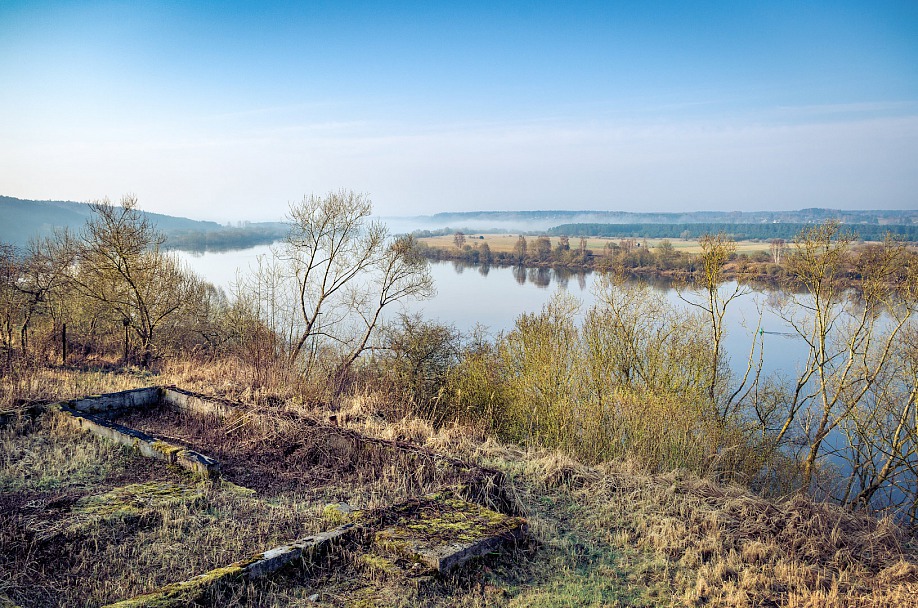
column 309, row 549
column 147, row 445
column 443, row 532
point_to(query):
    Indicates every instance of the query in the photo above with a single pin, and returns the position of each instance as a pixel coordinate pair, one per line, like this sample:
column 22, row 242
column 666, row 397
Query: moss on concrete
column 438, row 521
column 135, row 499
column 170, row 450
column 185, row 592
column 340, row 513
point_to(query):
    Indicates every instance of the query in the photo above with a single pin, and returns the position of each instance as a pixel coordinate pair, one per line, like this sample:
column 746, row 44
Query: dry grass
column 609, row 535
column 722, row 546
column 58, row 554
column 44, row 385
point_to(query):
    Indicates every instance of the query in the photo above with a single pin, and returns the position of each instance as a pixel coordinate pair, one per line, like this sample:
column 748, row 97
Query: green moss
column 339, row 513
column 134, row 499
column 6, row 602
column 230, row 487
column 185, row 592
column 436, row 521
column 168, row 449
column 378, row 564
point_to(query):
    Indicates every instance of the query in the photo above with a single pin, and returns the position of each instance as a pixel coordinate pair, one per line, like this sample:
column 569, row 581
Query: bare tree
column 402, row 272
column 519, row 249
column 776, row 248
column 713, row 300
column 345, row 270
column 119, row 265
column 459, row 240
column 851, row 338
column 44, row 272
column 11, row 299
column 543, row 248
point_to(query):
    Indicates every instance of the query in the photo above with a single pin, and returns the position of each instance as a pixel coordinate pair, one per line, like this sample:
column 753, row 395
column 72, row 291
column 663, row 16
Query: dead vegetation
column 611, row 535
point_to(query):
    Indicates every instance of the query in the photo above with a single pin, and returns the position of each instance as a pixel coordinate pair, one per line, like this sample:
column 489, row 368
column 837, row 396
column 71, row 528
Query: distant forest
column 739, row 232
column 812, row 215
column 228, row 238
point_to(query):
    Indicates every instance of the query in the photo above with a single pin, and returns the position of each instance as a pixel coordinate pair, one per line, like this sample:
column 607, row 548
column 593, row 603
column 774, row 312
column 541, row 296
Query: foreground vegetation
column 650, row 473
column 609, row 534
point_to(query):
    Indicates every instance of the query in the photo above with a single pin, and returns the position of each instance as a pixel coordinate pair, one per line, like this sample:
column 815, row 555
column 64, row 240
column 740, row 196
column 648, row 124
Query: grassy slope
column 604, row 536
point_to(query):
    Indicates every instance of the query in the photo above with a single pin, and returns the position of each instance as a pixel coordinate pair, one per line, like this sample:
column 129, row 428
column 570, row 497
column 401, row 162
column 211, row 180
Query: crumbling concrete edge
column 309, row 550
column 457, row 554
column 147, row 445
column 107, row 403
column 135, row 398
column 197, row 403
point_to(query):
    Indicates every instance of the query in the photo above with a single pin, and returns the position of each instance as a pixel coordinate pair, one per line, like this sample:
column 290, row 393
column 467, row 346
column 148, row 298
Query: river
column 495, row 296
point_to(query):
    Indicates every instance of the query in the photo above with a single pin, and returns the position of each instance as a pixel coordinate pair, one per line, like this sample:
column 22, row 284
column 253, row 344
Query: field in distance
column 505, row 243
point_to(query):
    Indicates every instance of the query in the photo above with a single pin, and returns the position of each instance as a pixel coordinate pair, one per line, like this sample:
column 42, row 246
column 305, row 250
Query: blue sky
column 224, row 110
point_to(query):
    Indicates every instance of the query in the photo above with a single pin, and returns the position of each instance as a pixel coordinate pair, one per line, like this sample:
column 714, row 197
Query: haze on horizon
column 229, row 111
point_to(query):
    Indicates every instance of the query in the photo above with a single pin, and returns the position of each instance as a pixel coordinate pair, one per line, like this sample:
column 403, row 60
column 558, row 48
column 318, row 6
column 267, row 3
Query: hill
column 737, row 231
column 27, row 219
column 527, row 221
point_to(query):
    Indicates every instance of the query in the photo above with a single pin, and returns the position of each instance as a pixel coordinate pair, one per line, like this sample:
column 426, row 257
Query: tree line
column 110, row 294
column 640, row 260
column 736, row 231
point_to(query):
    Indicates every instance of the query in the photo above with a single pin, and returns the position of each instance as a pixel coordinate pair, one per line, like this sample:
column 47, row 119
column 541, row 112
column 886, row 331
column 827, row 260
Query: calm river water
column 495, row 296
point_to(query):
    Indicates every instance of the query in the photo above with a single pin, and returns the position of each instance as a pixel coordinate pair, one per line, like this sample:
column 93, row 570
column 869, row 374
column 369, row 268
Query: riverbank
column 660, row 261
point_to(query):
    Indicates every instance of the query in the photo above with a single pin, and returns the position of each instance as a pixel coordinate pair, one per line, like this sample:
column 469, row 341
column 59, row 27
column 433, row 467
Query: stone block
column 444, row 532
column 149, row 446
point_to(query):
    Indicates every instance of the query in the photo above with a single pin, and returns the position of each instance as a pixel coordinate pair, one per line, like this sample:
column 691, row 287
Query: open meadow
column 506, row 242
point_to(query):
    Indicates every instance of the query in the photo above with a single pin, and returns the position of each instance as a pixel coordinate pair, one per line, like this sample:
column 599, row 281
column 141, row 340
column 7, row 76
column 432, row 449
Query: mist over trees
column 762, row 231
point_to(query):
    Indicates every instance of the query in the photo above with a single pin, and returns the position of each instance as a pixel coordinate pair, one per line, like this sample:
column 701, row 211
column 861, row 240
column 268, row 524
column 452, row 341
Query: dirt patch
column 84, row 521
column 278, row 454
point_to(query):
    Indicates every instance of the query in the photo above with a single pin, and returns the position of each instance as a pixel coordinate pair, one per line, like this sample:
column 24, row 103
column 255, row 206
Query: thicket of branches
column 109, row 295
column 642, row 378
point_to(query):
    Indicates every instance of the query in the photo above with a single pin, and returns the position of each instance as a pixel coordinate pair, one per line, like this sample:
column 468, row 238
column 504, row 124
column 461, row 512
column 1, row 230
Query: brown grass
column 56, row 555
column 609, row 535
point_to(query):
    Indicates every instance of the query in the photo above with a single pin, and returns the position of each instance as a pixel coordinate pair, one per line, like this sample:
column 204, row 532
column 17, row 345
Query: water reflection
column 519, row 273
column 542, row 277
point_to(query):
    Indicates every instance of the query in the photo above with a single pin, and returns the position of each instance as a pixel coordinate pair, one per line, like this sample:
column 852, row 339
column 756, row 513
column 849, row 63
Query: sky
column 232, row 110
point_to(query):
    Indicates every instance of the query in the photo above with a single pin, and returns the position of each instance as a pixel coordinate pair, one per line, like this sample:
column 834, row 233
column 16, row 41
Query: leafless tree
column 345, row 269
column 119, row 265
column 851, row 337
column 776, row 248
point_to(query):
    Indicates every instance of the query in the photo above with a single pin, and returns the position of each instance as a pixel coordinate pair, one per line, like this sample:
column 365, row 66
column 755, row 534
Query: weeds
column 610, row 534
